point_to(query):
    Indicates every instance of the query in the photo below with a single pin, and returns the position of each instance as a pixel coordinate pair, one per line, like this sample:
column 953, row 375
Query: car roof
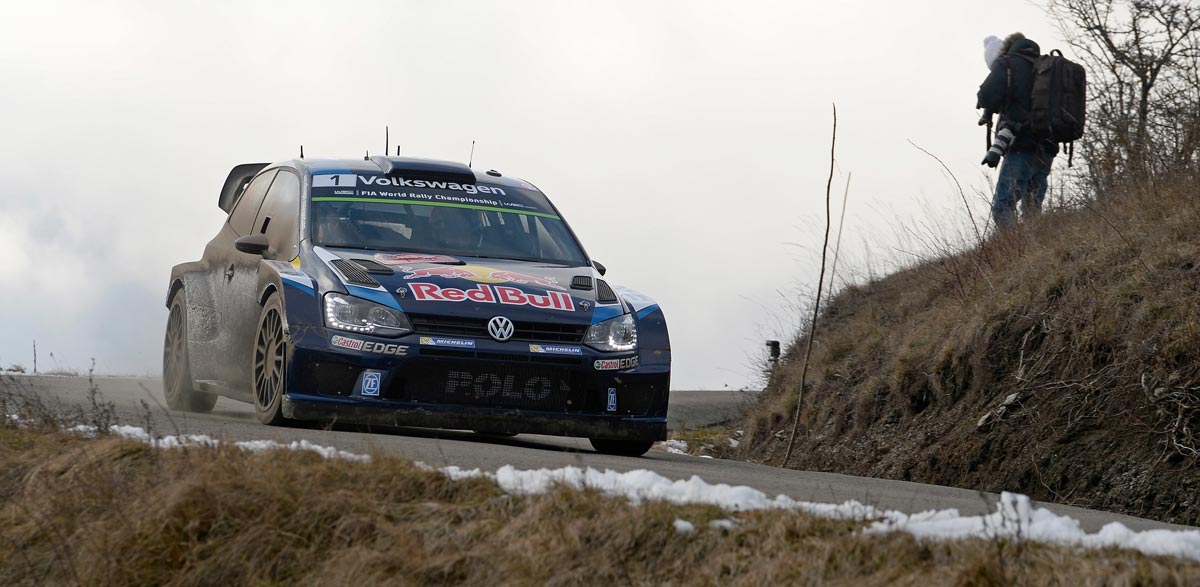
column 418, row 165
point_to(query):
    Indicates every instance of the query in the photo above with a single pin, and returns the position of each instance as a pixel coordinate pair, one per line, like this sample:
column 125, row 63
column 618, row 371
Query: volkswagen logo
column 500, row 328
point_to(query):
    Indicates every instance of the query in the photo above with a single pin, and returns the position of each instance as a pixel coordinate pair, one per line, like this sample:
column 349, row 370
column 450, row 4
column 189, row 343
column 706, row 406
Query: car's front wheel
column 177, row 367
column 624, row 448
column 270, row 363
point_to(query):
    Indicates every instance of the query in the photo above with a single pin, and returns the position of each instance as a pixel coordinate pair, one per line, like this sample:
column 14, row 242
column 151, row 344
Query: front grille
column 545, row 359
column 448, row 325
column 353, row 273
column 532, row 387
column 540, row 331
column 447, row 353
column 477, row 328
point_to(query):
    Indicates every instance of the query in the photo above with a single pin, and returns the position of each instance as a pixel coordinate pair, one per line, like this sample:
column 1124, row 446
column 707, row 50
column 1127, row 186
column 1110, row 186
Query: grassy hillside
column 1061, row 360
column 106, row 511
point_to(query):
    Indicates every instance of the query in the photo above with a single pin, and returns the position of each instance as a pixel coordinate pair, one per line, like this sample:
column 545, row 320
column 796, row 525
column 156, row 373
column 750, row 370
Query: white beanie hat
column 991, row 49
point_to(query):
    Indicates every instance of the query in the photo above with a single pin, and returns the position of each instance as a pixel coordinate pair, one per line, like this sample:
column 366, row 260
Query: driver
column 334, row 227
column 456, row 228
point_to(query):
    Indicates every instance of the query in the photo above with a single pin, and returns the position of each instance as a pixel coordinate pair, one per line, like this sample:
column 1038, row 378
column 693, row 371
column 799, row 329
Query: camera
column 1004, row 138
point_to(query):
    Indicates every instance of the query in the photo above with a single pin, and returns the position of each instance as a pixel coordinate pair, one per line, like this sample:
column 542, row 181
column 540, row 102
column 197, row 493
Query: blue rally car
column 411, row 292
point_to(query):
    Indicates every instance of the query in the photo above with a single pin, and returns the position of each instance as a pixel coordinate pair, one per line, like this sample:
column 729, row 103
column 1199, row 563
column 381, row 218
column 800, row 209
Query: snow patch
column 684, row 527
column 723, row 524
column 641, row 485
column 675, row 447
column 186, row 440
column 83, row 430
column 733, row 442
column 325, row 451
column 1015, row 517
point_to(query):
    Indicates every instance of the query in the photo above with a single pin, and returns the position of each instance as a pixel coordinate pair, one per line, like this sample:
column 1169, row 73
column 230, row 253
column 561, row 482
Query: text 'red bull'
column 487, row 294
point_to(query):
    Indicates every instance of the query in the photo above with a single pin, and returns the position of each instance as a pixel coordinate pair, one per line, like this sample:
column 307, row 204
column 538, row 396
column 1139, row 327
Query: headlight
column 616, row 334
column 352, row 314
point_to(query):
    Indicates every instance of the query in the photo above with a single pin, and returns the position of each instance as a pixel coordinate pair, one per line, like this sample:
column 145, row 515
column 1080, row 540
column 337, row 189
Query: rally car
column 412, row 292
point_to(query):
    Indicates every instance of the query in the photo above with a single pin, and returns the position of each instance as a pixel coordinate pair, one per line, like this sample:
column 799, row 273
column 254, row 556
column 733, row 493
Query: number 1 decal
column 334, row 180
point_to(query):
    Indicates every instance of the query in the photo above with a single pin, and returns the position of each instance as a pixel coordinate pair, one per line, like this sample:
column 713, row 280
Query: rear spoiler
column 236, row 182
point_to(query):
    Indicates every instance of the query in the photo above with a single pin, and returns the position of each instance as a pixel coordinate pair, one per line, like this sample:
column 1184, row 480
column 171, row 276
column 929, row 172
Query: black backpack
column 1059, row 106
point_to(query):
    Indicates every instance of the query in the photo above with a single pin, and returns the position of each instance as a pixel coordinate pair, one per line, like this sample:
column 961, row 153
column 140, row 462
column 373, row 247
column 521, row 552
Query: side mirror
column 254, row 244
column 599, row 267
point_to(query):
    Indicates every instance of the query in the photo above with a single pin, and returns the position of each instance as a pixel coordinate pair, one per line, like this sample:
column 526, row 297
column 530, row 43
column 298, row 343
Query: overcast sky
column 686, row 142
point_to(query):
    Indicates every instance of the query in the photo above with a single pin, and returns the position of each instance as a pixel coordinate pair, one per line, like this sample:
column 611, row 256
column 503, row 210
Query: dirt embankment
column 1060, row 360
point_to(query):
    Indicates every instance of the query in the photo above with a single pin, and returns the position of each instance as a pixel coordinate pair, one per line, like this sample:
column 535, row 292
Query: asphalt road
column 235, row 420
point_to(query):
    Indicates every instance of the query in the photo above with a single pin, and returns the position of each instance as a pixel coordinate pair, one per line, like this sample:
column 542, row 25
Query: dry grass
column 114, row 512
column 713, row 441
column 1091, row 317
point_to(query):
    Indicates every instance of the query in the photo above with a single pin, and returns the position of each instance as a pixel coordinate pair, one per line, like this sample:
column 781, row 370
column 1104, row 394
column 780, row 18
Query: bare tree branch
column 812, row 331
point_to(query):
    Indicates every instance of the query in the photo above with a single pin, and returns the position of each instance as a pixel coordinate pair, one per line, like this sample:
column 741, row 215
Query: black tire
column 268, row 363
column 178, row 388
column 624, row 448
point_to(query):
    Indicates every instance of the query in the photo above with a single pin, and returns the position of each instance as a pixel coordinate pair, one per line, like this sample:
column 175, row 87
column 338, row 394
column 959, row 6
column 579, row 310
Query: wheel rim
column 173, row 362
column 268, row 359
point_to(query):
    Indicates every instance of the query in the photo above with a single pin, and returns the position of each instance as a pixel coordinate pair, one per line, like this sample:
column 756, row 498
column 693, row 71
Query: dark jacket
column 1008, row 90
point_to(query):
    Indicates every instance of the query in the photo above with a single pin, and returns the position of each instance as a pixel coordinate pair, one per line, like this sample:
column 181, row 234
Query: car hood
column 472, row 287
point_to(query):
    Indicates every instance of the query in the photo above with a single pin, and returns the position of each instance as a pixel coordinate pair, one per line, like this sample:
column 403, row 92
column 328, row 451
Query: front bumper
column 487, row 386
column 494, row 420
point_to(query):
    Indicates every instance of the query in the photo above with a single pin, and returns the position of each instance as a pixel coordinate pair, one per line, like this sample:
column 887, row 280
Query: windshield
column 429, row 222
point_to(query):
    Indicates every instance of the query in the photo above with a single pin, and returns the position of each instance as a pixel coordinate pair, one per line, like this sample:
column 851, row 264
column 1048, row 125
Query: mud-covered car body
column 493, row 343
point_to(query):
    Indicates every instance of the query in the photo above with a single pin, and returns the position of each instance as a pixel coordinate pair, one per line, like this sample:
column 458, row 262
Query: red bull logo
column 410, row 258
column 480, row 275
column 521, row 278
column 489, row 294
column 443, row 271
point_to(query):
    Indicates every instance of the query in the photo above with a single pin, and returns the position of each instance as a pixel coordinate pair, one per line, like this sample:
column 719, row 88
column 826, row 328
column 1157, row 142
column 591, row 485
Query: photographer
column 1008, row 91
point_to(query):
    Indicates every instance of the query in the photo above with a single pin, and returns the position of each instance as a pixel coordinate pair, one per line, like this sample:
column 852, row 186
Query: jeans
column 1023, row 177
